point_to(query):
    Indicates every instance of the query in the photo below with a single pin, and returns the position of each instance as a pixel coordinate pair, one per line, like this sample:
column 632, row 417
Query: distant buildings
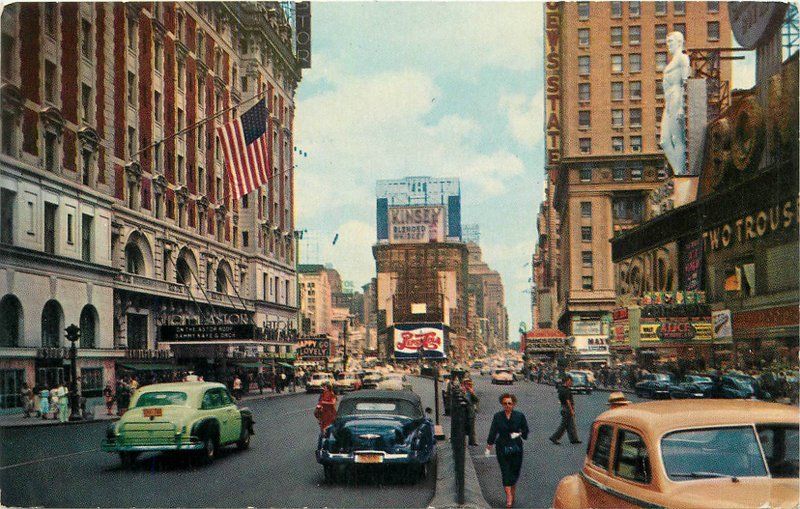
column 488, row 316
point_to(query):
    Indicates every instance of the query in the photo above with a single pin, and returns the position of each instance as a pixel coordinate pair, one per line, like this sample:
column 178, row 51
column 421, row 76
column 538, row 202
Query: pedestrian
column 63, row 402
column 567, row 413
column 123, row 397
column 325, row 411
column 237, row 387
column 283, row 380
column 509, row 427
column 472, row 408
column 54, row 395
column 26, row 393
column 108, row 395
column 44, row 402
column 260, row 383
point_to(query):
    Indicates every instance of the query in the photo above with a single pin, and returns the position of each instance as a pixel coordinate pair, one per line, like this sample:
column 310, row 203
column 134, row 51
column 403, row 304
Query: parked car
column 688, row 454
column 580, row 383
column 196, row 417
column 732, row 387
column 692, row 386
column 395, row 382
column 317, row 381
column 346, row 383
column 378, row 428
column 653, row 385
column 502, row 377
column 371, row 380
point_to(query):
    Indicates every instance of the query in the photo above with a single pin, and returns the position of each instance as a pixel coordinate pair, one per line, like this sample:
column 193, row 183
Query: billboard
column 723, row 327
column 314, row 349
column 590, row 346
column 414, row 225
column 676, row 329
column 415, row 340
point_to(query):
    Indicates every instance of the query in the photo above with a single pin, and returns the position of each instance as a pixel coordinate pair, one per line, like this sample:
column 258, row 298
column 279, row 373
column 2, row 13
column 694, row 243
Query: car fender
column 206, row 425
column 570, row 493
column 247, row 420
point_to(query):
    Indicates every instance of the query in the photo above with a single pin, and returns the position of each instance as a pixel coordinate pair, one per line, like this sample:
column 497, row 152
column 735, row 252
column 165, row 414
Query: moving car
column 653, row 385
column 186, row 416
column 383, row 428
column 580, row 383
column 317, row 380
column 692, row 386
column 395, row 382
column 371, row 380
column 502, row 377
column 688, row 454
column 346, row 383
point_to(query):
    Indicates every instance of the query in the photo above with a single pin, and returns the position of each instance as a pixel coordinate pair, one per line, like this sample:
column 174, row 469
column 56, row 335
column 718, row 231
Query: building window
column 659, row 114
column 616, row 9
column 181, row 73
column 636, row 173
column 181, row 120
column 245, row 239
column 583, row 39
column 157, row 106
column 661, row 8
column 51, row 19
column 181, row 170
column 627, row 209
column 200, row 49
column 86, row 237
column 680, row 27
column 616, row 36
column 583, row 10
column 7, row 216
column 9, row 133
column 584, row 119
column 587, row 282
column 70, row 229
column 635, row 117
column 659, row 88
column 712, row 7
column 635, row 35
column 131, row 89
column 50, row 151
column 679, row 7
column 131, row 142
column 616, row 91
column 201, row 180
column 586, row 258
column 132, row 34
column 585, row 145
column 8, row 49
column 201, row 96
column 86, row 102
column 636, row 90
column 158, row 56
column 586, row 174
column 616, row 64
column 661, row 61
column 50, row 213
column 50, row 81
column 617, row 118
column 661, row 34
column 584, row 92
column 636, row 143
column 586, row 208
column 636, row 62
column 617, row 144
column 584, row 65
column 86, row 39
column 635, row 9
column 712, row 30
column 619, row 171
column 586, row 233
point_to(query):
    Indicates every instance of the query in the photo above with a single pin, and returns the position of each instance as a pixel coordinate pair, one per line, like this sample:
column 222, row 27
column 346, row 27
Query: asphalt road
column 544, row 464
column 62, row 466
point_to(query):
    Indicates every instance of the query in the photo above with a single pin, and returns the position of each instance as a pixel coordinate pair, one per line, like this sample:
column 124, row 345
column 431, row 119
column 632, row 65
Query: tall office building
column 604, row 102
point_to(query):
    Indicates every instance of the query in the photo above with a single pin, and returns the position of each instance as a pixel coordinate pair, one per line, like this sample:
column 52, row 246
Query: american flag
column 245, row 145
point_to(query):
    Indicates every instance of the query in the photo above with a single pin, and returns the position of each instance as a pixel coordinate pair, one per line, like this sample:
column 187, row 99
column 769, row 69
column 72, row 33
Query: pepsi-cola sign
column 414, row 341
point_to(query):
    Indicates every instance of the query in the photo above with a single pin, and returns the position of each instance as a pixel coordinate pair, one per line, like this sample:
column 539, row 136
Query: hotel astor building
column 116, row 214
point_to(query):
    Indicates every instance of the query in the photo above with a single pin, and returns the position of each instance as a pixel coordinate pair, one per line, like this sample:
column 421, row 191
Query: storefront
column 590, row 340
column 543, row 345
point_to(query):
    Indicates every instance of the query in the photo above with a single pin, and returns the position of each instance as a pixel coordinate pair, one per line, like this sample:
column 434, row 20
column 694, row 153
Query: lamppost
column 73, row 336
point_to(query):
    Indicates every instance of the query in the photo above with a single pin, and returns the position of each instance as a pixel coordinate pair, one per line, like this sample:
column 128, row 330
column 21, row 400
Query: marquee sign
column 314, row 349
column 676, row 330
column 409, row 225
column 207, row 332
column 412, row 341
column 781, row 217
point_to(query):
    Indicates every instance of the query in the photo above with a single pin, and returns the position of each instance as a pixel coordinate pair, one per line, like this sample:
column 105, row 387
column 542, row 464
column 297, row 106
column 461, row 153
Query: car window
column 382, row 406
column 225, row 398
column 602, row 446
column 212, row 399
column 709, row 453
column 780, row 444
column 162, row 398
column 632, row 460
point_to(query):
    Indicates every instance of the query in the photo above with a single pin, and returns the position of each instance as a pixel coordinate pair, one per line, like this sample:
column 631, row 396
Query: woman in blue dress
column 44, row 402
column 509, row 428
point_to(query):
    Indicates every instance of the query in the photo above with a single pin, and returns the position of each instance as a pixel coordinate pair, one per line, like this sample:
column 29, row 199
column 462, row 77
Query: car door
column 597, row 475
column 631, row 483
column 232, row 417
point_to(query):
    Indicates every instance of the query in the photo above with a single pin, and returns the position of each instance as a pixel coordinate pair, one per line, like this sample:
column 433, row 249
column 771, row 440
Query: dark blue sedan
column 692, row 386
column 378, row 428
column 654, row 385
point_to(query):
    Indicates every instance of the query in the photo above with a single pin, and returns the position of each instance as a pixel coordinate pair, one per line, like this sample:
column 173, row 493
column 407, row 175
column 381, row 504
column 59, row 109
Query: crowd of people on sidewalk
column 49, row 402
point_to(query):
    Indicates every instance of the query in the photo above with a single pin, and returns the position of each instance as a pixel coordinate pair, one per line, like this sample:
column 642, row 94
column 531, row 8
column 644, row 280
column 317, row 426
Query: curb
column 445, row 491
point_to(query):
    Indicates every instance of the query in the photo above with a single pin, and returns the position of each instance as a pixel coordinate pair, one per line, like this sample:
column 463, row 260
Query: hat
column 617, row 398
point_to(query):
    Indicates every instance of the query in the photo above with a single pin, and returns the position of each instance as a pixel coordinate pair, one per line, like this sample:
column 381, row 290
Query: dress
column 500, row 436
column 326, row 409
column 44, row 402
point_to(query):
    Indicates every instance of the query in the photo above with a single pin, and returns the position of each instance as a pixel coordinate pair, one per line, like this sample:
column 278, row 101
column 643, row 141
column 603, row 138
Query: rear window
column 382, row 407
column 161, row 399
column 602, row 447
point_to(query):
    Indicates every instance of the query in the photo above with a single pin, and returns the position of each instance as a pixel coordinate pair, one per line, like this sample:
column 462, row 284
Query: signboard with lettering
column 781, row 217
column 691, row 256
column 753, row 22
column 543, row 345
column 591, row 346
column 675, row 330
column 587, row 327
column 723, row 326
column 410, row 225
column 552, row 51
column 208, row 332
column 314, row 349
column 303, row 34
column 412, row 341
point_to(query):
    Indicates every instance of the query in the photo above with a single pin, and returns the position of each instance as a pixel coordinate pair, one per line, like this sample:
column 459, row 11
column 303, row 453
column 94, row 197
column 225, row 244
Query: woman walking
column 325, row 412
column 509, row 428
column 108, row 395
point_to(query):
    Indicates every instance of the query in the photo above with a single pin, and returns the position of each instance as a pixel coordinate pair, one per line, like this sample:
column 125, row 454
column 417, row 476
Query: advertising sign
column 410, row 225
column 587, row 327
column 591, row 346
column 314, row 349
column 208, row 332
column 553, row 87
column 692, row 264
column 675, row 330
column 415, row 340
column 723, row 327
column 540, row 345
column 303, row 34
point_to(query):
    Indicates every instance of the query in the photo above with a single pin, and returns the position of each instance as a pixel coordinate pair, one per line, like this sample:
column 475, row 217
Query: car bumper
column 190, row 444
column 313, row 388
column 352, row 458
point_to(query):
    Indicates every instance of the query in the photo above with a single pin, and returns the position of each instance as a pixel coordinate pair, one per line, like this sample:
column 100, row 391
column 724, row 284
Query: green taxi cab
column 196, row 417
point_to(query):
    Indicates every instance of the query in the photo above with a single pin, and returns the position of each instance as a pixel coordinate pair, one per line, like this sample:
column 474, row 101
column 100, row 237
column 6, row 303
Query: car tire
column 209, row 450
column 244, row 440
column 329, row 473
column 128, row 459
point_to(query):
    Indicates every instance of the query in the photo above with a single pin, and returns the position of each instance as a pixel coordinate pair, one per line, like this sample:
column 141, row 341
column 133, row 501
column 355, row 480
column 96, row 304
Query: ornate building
column 116, row 212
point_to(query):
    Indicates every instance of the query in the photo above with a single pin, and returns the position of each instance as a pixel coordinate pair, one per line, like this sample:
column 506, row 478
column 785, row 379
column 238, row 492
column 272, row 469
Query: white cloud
column 525, row 116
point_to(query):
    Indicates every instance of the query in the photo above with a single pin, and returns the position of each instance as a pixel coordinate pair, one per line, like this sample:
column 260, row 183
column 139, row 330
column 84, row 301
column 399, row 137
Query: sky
column 449, row 89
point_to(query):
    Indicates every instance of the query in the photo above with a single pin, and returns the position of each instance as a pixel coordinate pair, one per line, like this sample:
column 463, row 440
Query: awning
column 150, row 367
column 251, row 365
column 286, row 365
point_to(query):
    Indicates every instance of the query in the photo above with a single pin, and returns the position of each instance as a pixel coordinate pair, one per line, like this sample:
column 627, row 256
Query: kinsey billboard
column 412, row 341
column 409, row 225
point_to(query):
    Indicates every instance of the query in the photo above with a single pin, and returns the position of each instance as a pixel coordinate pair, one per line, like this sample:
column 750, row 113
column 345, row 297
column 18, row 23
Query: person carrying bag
column 509, row 428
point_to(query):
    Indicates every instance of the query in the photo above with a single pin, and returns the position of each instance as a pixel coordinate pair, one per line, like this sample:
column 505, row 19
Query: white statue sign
column 673, row 122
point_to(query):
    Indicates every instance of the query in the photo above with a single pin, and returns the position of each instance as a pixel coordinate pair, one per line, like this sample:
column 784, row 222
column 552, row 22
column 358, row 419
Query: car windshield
column 699, row 379
column 163, row 398
column 578, row 378
column 710, row 453
column 379, row 406
column 502, row 372
column 740, row 383
column 781, row 448
column 320, row 376
column 660, row 377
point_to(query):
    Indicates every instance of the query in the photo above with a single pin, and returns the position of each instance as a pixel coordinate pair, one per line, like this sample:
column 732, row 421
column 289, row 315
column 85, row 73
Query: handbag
column 512, row 448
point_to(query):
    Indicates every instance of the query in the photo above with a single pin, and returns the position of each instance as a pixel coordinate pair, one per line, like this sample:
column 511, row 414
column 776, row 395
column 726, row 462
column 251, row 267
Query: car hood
column 379, row 433
column 177, row 415
column 754, row 492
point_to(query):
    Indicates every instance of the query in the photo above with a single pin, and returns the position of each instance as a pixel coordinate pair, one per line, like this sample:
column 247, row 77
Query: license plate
column 369, row 458
column 153, row 412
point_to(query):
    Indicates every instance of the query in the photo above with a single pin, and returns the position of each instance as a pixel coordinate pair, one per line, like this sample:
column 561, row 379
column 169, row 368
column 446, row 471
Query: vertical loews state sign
column 552, row 45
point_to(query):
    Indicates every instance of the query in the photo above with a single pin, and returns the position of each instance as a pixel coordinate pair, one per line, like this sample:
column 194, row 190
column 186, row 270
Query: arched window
column 134, row 261
column 183, row 274
column 52, row 324
column 222, row 280
column 88, row 326
column 10, row 321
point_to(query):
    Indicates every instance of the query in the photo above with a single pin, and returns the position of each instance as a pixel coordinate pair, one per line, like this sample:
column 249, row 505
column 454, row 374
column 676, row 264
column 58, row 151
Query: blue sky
column 417, row 88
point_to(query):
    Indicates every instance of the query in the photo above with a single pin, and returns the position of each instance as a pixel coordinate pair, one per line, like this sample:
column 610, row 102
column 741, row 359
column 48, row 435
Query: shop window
column 92, row 382
column 11, row 381
column 632, row 461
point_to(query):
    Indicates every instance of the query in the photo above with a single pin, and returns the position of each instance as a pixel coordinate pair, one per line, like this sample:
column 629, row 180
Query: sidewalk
column 18, row 420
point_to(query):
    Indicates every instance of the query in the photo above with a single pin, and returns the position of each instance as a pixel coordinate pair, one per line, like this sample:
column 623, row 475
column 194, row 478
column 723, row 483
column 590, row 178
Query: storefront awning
column 249, row 365
column 286, row 365
column 149, row 367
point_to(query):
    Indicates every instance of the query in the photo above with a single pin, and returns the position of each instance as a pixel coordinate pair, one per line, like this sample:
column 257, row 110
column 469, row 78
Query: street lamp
column 73, row 336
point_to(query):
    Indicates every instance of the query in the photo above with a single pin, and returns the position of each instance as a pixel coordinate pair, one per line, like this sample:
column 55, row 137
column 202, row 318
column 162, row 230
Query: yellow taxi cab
column 689, row 454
